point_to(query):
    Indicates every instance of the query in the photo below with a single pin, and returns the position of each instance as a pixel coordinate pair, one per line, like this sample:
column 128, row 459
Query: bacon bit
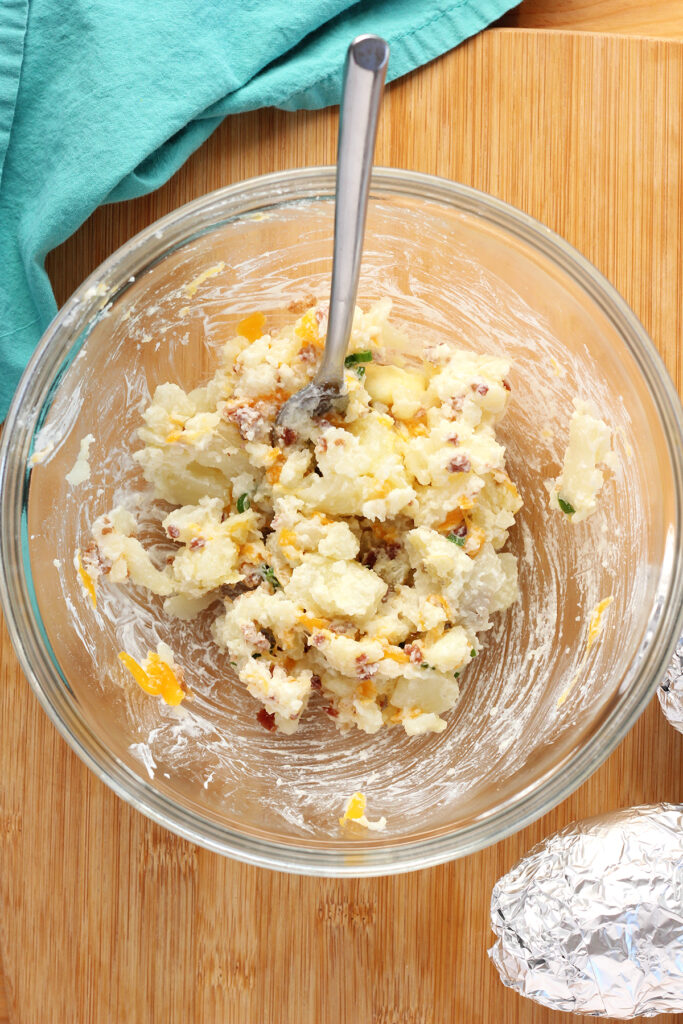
column 197, row 543
column 457, row 403
column 316, row 684
column 480, row 389
column 414, row 652
column 251, row 579
column 299, row 306
column 506, row 384
column 316, row 640
column 252, row 326
column 321, row 445
column 106, row 529
column 364, row 670
column 332, row 712
column 248, row 421
column 369, row 558
column 460, row 531
column 392, row 548
column 366, row 691
column 459, row 464
column 454, row 439
column 288, row 435
column 254, row 637
column 170, row 560
column 267, row 720
column 308, row 354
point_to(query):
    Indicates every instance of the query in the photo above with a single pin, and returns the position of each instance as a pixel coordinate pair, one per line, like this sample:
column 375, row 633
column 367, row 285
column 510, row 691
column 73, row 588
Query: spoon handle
column 364, row 73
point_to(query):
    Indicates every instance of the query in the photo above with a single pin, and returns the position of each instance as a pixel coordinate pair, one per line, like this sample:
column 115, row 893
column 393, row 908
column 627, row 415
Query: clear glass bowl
column 538, row 712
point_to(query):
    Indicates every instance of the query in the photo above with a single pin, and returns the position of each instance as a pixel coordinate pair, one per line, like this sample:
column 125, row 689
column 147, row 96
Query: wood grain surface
column 641, row 17
column 105, row 917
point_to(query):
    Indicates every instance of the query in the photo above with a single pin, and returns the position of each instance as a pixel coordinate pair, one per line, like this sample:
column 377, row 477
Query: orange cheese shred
column 87, row 581
column 251, row 327
column 157, row 679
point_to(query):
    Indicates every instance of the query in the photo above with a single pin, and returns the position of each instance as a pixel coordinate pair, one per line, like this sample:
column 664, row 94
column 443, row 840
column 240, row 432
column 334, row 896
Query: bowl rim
column 31, row 401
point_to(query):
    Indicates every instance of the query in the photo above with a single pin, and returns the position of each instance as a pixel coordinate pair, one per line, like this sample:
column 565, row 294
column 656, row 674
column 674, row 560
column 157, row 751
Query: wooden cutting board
column 107, row 918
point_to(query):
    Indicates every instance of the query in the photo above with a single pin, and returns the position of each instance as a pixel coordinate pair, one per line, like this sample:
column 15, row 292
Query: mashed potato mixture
column 361, row 563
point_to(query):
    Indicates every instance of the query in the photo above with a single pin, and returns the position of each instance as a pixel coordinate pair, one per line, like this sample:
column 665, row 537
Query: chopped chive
column 256, row 655
column 365, row 356
column 360, row 371
column 473, row 653
column 243, row 502
column 566, row 507
column 268, row 574
column 424, row 665
column 460, row 541
column 455, row 675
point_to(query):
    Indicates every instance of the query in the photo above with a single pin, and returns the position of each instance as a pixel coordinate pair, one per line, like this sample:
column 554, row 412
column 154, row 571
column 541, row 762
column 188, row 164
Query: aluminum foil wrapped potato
column 591, row 921
column 670, row 693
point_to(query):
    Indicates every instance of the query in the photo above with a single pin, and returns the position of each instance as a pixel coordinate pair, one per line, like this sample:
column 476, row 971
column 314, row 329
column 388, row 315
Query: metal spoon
column 364, row 73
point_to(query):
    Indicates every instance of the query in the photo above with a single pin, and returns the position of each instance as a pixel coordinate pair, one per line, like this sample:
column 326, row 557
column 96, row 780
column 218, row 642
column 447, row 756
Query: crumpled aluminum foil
column 591, row 921
column 670, row 693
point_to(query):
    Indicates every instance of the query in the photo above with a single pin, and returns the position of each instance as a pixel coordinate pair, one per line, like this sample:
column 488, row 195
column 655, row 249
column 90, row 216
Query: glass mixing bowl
column 539, row 711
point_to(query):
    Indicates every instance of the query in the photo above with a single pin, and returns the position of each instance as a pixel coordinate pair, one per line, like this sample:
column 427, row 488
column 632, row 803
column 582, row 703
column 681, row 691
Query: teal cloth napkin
column 102, row 100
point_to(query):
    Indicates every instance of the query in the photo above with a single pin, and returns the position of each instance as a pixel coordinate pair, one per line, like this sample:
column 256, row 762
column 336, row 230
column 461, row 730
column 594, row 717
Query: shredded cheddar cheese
column 86, row 580
column 311, row 622
column 308, row 328
column 355, row 808
column 595, row 627
column 594, row 631
column 395, row 654
column 287, row 541
column 355, row 812
column 252, row 326
column 155, row 676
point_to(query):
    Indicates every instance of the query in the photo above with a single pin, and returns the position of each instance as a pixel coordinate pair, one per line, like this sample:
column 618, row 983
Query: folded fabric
column 102, row 100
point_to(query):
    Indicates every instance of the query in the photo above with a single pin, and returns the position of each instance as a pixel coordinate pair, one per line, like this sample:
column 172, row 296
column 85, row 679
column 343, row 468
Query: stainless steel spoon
column 364, row 73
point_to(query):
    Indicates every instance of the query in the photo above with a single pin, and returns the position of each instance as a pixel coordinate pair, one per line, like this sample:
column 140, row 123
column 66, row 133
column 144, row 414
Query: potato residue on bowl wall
column 575, row 491
column 361, row 563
